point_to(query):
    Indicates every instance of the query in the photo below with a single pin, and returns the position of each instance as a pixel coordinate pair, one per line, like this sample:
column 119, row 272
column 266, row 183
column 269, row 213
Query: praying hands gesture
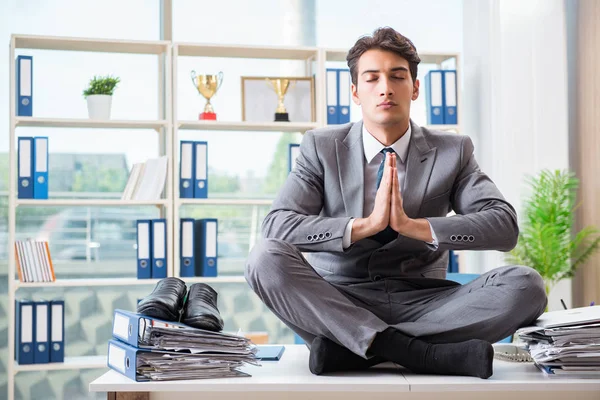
column 388, row 210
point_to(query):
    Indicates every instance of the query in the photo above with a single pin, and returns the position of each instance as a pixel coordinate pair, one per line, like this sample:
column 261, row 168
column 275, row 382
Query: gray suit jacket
column 325, row 190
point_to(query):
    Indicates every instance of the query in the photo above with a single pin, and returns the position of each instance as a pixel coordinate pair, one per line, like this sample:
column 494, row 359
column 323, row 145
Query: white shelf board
column 87, row 282
column 236, row 51
column 218, row 279
column 248, row 126
column 90, row 202
column 88, row 123
column 229, row 202
column 426, row 57
column 85, row 362
column 89, row 44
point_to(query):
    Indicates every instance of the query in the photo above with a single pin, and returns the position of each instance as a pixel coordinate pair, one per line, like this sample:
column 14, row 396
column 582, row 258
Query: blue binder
column 159, row 248
column 57, row 331
column 186, row 247
column 206, row 247
column 144, row 248
column 186, row 169
column 343, row 91
column 293, row 152
column 129, row 327
column 25, row 167
column 41, row 354
column 450, row 97
column 332, row 96
column 40, row 167
column 434, row 96
column 24, row 89
column 201, row 170
column 24, row 331
column 123, row 358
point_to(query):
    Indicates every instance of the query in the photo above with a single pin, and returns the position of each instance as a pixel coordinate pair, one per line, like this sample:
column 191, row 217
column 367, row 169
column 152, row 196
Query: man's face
column 384, row 87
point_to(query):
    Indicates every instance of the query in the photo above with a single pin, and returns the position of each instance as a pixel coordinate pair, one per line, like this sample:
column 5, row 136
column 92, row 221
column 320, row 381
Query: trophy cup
column 280, row 86
column 207, row 86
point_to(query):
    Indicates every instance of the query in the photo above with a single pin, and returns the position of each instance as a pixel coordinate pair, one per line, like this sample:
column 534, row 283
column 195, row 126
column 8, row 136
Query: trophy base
column 282, row 117
column 208, row 116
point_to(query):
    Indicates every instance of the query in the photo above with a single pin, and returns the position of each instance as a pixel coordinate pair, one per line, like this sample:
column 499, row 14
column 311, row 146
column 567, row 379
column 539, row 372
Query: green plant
column 101, row 85
column 546, row 241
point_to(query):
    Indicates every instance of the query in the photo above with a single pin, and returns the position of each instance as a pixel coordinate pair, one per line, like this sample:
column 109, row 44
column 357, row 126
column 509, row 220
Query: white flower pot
column 99, row 106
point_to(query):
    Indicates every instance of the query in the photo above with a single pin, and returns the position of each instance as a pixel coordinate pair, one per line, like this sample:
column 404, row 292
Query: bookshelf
column 167, row 126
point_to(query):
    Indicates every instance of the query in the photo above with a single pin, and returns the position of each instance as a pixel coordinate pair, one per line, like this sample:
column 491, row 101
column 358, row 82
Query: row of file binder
column 440, row 95
column 198, row 247
column 151, row 248
column 39, row 331
column 338, row 95
column 24, row 86
column 33, row 261
column 32, row 167
column 193, row 170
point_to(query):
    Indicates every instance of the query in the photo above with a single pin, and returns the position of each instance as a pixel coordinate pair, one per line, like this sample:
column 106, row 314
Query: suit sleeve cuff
column 434, row 244
column 347, row 234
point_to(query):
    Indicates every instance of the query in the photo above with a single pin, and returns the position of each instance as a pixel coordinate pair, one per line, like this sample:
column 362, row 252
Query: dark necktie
column 388, row 234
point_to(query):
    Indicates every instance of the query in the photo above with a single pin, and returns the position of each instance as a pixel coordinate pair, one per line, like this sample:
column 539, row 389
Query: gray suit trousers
column 491, row 307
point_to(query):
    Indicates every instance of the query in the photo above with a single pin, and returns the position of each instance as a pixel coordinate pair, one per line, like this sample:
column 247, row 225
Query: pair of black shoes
column 168, row 302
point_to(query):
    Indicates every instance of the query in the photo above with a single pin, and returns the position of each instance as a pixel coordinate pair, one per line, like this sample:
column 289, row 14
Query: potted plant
column 547, row 242
column 99, row 96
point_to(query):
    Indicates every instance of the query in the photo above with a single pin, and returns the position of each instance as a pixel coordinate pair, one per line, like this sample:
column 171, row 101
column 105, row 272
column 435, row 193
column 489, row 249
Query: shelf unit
column 163, row 126
column 168, row 125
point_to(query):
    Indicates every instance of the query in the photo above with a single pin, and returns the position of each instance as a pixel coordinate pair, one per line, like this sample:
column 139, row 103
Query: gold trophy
column 207, row 86
column 281, row 86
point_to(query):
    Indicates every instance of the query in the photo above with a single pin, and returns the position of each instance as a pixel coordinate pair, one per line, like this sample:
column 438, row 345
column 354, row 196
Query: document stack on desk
column 147, row 349
column 566, row 343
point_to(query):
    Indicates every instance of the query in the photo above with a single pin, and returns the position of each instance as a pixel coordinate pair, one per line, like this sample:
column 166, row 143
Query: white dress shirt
column 373, row 158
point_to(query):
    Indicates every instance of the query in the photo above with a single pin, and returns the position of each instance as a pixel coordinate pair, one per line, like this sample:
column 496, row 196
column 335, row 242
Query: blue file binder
column 123, row 358
column 452, row 261
column 159, row 248
column 24, row 331
column 186, row 170
column 332, row 96
column 450, row 98
column 129, row 327
column 144, row 248
column 186, row 247
column 293, row 152
column 201, row 170
column 25, row 167
column 434, row 96
column 270, row 353
column 40, row 167
column 206, row 246
column 24, row 89
column 57, row 331
column 41, row 354
column 343, row 91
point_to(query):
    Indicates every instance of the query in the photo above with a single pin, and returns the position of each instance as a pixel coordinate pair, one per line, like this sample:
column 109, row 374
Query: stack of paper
column 145, row 349
column 146, row 180
column 566, row 343
column 33, row 261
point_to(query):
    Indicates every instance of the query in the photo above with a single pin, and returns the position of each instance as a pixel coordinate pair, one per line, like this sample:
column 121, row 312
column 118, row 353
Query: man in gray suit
column 367, row 204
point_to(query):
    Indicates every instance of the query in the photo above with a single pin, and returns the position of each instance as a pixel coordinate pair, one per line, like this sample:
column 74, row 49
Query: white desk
column 290, row 378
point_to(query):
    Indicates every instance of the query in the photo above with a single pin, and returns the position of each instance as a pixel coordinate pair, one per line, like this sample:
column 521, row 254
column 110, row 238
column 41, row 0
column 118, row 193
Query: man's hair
column 384, row 39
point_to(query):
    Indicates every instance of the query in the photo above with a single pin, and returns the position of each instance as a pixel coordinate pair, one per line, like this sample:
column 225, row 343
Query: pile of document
column 566, row 343
column 146, row 180
column 33, row 261
column 147, row 349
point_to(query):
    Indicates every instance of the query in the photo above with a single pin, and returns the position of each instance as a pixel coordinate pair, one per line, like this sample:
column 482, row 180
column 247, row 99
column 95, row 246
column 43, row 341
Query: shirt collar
column 372, row 146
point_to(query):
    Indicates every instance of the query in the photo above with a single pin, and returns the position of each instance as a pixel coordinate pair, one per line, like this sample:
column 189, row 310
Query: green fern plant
column 546, row 241
column 101, row 85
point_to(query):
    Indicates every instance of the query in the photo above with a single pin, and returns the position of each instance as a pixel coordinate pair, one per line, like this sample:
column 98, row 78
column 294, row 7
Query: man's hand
column 398, row 218
column 400, row 222
column 380, row 216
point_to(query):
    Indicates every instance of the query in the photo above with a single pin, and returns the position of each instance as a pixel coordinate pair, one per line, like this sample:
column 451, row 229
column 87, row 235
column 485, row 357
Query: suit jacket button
column 321, row 236
column 327, row 234
column 459, row 238
column 377, row 277
column 309, row 238
column 471, row 238
column 453, row 238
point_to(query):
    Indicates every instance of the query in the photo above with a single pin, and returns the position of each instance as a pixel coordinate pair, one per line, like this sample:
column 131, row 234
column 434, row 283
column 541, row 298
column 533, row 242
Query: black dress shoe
column 166, row 300
column 200, row 310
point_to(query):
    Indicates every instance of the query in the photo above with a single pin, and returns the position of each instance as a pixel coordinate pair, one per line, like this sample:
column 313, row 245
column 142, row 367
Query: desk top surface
column 291, row 374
